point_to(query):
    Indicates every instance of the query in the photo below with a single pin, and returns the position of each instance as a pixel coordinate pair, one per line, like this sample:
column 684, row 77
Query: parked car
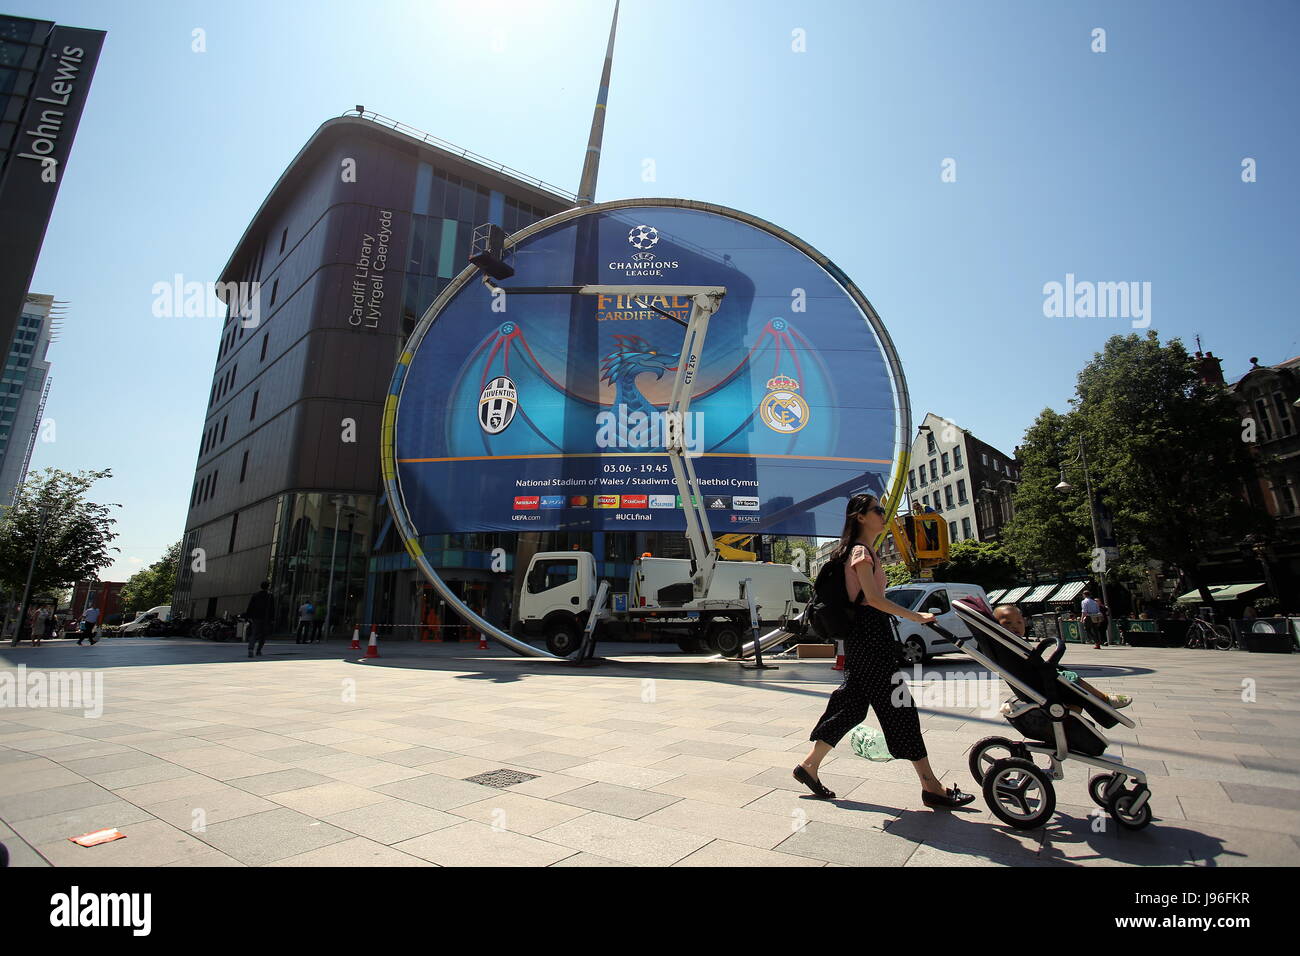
column 935, row 597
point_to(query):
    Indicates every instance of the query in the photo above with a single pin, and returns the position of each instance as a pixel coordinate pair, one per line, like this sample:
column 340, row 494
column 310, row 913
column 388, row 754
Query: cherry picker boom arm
column 705, row 300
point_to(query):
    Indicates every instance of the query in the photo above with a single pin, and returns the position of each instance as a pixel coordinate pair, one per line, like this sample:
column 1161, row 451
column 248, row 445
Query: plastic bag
column 869, row 743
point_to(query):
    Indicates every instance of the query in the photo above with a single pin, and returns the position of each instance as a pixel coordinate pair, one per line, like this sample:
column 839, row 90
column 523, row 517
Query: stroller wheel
column 1019, row 793
column 987, row 752
column 1124, row 815
column 1097, row 787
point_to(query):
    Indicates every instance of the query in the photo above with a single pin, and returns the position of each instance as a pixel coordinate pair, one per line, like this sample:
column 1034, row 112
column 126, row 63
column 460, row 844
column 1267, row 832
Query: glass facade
column 445, row 210
column 21, row 44
column 314, row 533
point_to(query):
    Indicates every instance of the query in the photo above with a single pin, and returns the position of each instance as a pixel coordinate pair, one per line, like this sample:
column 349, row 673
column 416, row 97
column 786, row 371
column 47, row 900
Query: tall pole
column 591, row 162
column 1096, row 536
column 31, row 571
column 329, row 589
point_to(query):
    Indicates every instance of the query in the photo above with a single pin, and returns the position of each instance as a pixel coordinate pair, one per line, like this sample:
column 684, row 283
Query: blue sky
column 1115, row 166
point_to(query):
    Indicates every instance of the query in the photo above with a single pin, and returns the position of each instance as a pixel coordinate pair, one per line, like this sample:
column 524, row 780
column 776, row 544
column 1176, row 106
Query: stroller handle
column 944, row 632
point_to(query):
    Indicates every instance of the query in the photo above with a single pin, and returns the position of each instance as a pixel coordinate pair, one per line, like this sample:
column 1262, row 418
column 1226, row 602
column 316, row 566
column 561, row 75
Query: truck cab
column 560, row 591
column 920, row 643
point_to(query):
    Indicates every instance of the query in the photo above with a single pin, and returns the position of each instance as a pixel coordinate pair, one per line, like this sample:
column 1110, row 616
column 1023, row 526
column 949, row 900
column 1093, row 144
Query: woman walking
column 871, row 664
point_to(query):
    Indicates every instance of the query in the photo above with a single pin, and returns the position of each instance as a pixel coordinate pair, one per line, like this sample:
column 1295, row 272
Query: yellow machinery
column 731, row 547
column 922, row 541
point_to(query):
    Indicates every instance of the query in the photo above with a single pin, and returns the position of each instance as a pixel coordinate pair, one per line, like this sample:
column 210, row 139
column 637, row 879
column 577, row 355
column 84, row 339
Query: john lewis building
column 368, row 223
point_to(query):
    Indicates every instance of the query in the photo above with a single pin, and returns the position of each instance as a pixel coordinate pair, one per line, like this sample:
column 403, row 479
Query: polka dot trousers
column 871, row 676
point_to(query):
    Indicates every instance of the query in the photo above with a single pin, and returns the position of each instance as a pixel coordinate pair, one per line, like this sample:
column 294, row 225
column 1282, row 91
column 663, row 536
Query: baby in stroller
column 1059, row 720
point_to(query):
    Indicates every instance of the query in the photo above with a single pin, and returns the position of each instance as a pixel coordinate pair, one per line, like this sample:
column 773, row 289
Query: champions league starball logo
column 643, row 237
column 782, row 409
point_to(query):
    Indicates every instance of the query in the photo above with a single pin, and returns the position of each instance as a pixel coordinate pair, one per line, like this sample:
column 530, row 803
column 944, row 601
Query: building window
column 944, row 459
column 1285, row 496
column 284, row 236
column 961, row 491
column 984, row 459
column 275, row 287
column 947, row 496
column 929, row 443
column 253, row 414
column 265, row 336
column 243, row 467
column 234, row 525
column 224, row 420
column 925, row 500
column 213, row 490
column 965, row 528
column 911, row 480
column 1284, row 422
column 952, row 531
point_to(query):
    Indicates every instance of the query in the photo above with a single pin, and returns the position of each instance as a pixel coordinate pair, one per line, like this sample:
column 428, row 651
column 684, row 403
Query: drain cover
column 501, row 778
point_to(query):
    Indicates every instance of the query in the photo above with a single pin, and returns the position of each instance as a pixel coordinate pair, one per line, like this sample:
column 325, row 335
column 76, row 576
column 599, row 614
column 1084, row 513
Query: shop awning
column 1014, row 595
column 1221, row 592
column 1069, row 591
column 1038, row 594
column 996, row 596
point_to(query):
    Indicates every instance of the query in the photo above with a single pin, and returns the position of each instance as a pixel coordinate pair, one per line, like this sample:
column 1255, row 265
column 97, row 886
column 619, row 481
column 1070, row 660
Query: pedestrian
column 1250, row 613
column 306, row 613
column 317, row 625
column 89, row 618
column 1092, row 618
column 871, row 664
column 260, row 614
column 44, row 625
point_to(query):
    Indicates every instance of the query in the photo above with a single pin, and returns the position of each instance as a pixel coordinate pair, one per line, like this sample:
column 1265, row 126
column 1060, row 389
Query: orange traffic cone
column 372, row 650
column 356, row 639
column 839, row 656
column 482, row 641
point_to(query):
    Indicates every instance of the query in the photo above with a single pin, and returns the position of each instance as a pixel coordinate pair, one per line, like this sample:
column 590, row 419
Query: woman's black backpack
column 831, row 611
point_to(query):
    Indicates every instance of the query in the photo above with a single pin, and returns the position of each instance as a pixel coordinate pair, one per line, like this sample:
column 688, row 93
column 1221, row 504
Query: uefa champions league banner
column 546, row 412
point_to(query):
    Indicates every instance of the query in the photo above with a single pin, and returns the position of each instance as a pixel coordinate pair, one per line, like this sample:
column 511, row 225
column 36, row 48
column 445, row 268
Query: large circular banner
column 546, row 412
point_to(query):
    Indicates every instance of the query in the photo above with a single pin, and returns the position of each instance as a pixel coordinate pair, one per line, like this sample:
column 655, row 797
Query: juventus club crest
column 497, row 404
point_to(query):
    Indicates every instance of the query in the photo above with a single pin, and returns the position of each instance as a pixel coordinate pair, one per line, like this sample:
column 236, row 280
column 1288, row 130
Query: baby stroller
column 1019, row 792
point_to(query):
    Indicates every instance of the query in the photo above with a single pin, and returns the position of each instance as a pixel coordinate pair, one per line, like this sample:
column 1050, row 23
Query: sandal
column 813, row 784
column 952, row 797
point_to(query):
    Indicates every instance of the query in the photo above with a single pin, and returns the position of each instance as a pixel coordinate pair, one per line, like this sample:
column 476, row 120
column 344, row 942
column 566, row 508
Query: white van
column 920, row 643
column 162, row 613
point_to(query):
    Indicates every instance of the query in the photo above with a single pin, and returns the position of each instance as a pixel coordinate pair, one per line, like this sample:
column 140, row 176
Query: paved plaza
column 315, row 756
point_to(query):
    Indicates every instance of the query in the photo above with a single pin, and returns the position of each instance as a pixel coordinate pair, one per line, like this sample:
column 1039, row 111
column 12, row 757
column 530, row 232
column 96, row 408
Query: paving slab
column 653, row 759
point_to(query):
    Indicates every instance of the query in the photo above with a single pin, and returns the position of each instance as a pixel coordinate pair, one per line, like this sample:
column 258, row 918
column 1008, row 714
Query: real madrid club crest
column 782, row 409
column 497, row 404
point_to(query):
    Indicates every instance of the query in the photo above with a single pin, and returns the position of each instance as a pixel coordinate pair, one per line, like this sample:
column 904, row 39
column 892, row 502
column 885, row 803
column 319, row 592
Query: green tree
column 985, row 563
column 152, row 586
column 75, row 540
column 784, row 550
column 1050, row 531
column 1166, row 454
column 897, row 573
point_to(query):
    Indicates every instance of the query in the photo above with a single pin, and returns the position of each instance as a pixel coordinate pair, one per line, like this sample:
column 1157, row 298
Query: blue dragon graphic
column 632, row 357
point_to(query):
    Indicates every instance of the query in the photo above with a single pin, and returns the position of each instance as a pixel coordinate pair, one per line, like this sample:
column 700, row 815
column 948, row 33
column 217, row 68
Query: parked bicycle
column 1210, row 636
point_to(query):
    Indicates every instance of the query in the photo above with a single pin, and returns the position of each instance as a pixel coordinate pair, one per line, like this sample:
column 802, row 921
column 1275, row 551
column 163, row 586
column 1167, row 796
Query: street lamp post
column 31, row 571
column 353, row 513
column 1064, row 487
